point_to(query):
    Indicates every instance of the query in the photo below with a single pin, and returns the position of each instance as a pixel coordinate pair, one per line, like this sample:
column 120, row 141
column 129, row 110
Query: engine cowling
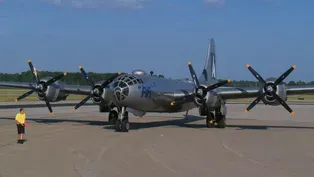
column 211, row 99
column 54, row 92
column 107, row 95
column 104, row 103
column 281, row 91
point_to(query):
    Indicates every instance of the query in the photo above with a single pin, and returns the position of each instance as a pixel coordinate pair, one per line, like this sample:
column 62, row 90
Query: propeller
column 270, row 88
column 96, row 90
column 41, row 86
column 200, row 91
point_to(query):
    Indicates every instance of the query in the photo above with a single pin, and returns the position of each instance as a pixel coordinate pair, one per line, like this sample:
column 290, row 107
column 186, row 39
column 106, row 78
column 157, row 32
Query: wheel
column 118, row 125
column 125, row 126
column 113, row 116
column 221, row 121
column 210, row 120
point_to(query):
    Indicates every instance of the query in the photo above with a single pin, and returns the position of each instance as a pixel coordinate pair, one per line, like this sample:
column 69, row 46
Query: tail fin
column 209, row 73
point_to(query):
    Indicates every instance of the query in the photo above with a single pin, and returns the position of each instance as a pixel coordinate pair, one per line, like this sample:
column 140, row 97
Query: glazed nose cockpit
column 121, row 86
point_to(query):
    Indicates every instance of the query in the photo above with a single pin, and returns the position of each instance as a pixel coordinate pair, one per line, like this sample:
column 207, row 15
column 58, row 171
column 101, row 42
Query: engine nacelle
column 212, row 101
column 104, row 103
column 107, row 95
column 54, row 92
column 281, row 91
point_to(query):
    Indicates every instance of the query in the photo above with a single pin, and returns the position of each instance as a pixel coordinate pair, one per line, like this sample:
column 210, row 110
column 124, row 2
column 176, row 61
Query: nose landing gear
column 119, row 120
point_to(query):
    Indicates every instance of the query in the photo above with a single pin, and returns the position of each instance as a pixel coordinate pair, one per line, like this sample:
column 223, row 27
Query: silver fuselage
column 151, row 94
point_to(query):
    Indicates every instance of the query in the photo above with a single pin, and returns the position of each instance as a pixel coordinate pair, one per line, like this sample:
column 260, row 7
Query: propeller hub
column 40, row 87
column 270, row 88
column 96, row 92
column 199, row 92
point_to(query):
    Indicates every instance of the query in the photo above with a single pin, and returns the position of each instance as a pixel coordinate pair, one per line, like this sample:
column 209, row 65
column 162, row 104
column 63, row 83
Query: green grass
column 14, row 93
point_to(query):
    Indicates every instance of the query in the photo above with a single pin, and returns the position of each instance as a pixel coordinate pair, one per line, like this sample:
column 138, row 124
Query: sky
column 159, row 35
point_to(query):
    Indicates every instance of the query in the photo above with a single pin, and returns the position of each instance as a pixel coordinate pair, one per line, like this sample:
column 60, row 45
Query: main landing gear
column 218, row 118
column 119, row 120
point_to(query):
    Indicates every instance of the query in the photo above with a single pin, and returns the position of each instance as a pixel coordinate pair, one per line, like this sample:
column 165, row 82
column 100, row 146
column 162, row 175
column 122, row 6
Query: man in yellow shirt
column 20, row 119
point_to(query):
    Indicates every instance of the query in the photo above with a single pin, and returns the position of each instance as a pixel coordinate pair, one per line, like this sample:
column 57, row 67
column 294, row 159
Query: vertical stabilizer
column 209, row 73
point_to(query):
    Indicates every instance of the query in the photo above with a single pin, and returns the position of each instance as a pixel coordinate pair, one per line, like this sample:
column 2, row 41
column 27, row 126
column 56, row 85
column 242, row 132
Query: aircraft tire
column 118, row 125
column 112, row 118
column 222, row 122
column 125, row 125
column 210, row 117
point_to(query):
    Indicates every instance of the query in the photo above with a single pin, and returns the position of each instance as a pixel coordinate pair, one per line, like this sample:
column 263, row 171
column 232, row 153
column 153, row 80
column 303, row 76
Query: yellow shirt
column 20, row 118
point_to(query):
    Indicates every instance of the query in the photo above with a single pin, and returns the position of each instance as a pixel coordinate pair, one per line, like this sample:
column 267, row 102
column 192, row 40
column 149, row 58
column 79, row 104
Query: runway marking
column 252, row 160
column 159, row 161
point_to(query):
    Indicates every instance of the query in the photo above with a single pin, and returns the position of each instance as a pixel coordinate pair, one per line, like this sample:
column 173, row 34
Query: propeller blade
column 90, row 82
column 271, row 92
column 256, row 75
column 82, row 102
column 33, row 71
column 284, row 104
column 219, row 84
column 193, row 74
column 48, row 104
column 284, row 75
column 25, row 95
column 254, row 103
column 108, row 81
column 55, row 79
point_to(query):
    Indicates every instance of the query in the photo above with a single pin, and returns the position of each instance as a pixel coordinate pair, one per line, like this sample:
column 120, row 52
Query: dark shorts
column 20, row 129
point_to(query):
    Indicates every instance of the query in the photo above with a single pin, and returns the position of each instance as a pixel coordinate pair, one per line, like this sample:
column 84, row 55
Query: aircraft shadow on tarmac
column 185, row 122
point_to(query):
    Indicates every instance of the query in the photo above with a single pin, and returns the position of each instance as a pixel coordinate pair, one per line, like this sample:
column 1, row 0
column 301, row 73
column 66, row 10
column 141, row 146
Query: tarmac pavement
column 267, row 141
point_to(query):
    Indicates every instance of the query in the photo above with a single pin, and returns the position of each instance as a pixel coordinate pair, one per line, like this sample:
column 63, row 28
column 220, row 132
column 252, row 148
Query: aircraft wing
column 21, row 85
column 253, row 92
column 70, row 89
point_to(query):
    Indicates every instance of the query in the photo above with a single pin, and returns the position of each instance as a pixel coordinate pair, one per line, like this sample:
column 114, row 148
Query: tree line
column 76, row 78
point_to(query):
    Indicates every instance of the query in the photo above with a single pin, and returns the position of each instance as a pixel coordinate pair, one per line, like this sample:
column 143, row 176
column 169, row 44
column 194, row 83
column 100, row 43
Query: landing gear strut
column 122, row 123
column 210, row 120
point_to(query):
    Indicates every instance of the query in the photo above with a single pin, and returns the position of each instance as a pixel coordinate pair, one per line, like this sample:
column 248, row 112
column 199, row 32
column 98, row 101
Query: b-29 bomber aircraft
column 140, row 93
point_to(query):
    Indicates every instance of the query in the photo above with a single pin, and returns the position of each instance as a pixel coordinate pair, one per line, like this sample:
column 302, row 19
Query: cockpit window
column 129, row 79
column 121, row 85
